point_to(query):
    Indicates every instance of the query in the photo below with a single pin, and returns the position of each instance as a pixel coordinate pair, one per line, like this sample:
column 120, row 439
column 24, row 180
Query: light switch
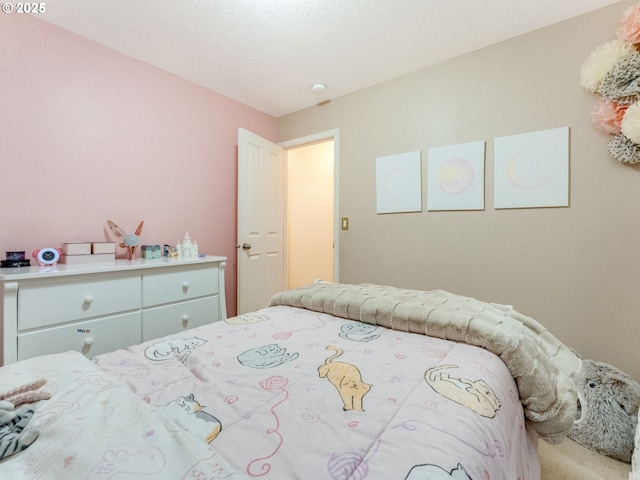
column 345, row 223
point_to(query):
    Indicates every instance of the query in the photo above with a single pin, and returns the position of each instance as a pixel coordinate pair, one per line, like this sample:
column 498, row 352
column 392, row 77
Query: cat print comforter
column 545, row 369
column 288, row 393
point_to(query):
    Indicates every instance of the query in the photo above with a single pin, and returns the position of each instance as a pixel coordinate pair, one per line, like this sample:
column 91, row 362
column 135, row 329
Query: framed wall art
column 399, row 183
column 532, row 169
column 455, row 177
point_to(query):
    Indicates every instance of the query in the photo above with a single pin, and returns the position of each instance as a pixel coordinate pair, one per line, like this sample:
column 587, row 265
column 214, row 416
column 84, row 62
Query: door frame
column 334, row 135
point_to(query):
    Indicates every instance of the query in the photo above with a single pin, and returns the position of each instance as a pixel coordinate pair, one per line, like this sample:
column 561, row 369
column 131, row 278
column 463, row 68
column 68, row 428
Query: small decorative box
column 151, row 251
column 103, row 247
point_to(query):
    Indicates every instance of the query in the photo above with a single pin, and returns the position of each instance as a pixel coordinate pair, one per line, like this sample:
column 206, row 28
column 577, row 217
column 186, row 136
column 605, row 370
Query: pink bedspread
column 286, row 393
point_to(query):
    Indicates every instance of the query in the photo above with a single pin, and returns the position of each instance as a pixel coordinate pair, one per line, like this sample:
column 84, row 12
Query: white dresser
column 98, row 308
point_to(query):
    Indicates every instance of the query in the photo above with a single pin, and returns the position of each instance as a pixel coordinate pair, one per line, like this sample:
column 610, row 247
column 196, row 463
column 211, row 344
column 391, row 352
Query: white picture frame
column 455, row 177
column 531, row 170
column 399, row 183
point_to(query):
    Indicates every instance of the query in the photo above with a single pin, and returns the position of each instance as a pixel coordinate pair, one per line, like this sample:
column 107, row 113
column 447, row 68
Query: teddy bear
column 607, row 418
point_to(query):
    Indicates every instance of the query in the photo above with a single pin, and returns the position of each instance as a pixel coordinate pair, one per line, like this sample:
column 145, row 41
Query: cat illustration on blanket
column 246, row 319
column 434, row 472
column 476, row 395
column 162, row 350
column 347, row 380
column 267, row 356
column 189, row 414
column 358, row 332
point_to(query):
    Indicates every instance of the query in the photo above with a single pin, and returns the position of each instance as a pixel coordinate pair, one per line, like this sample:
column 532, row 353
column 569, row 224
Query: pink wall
column 88, row 134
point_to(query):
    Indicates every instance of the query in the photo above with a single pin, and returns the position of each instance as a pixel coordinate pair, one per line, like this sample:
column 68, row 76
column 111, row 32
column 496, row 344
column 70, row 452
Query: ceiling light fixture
column 319, row 87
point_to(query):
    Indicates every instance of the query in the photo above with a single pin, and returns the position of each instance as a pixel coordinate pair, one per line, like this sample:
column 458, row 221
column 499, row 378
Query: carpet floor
column 571, row 461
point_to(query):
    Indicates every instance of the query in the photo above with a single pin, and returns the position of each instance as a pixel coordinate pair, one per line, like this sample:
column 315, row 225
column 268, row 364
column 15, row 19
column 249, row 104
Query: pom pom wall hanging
column 613, row 72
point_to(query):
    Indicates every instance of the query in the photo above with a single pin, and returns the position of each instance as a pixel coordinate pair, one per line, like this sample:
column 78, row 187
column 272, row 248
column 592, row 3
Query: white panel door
column 261, row 259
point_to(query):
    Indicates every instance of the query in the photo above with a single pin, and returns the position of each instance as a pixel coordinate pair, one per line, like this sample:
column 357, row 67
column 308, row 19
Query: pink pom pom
column 607, row 116
column 630, row 25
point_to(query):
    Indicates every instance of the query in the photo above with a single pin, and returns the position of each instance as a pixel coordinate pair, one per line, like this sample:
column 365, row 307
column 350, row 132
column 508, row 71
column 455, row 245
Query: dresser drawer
column 183, row 284
column 163, row 321
column 41, row 304
column 91, row 337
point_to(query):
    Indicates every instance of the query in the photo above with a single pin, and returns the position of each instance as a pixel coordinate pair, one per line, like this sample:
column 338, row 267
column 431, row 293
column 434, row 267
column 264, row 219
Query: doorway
column 263, row 259
column 309, row 213
column 311, row 187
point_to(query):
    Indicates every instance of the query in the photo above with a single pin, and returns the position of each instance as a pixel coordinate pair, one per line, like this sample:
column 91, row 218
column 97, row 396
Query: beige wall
column 576, row 270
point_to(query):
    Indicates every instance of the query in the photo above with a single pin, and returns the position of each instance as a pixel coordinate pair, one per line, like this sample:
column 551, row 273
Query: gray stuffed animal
column 607, row 410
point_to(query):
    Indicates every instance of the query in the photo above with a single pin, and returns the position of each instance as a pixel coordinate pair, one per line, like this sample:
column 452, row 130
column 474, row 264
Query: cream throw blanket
column 542, row 366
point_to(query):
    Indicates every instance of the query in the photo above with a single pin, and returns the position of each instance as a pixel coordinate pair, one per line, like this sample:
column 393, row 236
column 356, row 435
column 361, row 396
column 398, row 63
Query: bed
column 329, row 381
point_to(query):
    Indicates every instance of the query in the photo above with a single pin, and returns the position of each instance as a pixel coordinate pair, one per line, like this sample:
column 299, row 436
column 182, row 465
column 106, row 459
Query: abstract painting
column 455, row 177
column 532, row 169
column 399, row 183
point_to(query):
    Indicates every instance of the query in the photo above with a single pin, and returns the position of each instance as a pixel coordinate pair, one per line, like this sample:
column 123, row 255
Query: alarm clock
column 47, row 256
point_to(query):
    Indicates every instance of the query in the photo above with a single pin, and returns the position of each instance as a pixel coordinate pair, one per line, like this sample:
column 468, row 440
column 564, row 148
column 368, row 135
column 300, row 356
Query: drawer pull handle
column 185, row 319
column 88, row 299
column 88, row 341
column 185, row 286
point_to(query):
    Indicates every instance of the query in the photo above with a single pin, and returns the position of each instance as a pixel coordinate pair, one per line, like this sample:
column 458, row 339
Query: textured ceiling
column 268, row 53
